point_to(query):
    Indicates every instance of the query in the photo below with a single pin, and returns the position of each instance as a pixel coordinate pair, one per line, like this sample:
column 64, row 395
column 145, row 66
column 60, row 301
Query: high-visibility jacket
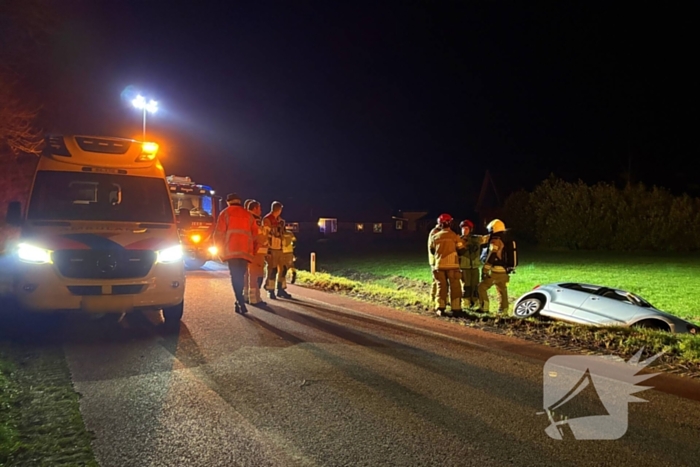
column 236, row 233
column 262, row 240
column 446, row 246
column 470, row 259
column 288, row 241
column 274, row 227
column 431, row 256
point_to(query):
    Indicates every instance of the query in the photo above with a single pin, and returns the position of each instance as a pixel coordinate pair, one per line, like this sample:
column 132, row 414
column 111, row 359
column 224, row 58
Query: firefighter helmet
column 444, row 219
column 467, row 223
column 496, row 225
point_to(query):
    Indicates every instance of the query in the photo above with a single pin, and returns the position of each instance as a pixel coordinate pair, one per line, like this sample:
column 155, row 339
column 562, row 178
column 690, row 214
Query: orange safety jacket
column 235, row 235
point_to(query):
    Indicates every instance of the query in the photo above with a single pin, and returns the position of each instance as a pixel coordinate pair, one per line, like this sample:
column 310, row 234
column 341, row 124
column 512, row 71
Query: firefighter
column 275, row 227
column 288, row 243
column 256, row 268
column 431, row 261
column 469, row 263
column 446, row 246
column 494, row 271
column 235, row 237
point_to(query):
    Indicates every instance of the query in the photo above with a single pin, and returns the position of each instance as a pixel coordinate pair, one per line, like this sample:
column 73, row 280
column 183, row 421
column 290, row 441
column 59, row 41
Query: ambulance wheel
column 173, row 315
column 192, row 264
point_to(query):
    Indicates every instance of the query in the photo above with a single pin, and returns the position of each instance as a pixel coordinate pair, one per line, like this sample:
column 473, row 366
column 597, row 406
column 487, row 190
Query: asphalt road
column 310, row 383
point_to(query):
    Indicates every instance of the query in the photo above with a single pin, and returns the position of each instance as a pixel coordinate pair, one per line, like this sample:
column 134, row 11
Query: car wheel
column 653, row 324
column 173, row 315
column 528, row 308
column 192, row 264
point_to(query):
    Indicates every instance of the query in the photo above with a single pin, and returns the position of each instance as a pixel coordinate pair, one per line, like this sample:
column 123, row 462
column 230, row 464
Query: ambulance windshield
column 76, row 196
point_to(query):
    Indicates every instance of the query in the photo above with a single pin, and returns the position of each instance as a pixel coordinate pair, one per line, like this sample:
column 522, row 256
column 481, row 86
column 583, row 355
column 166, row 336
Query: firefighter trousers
column 275, row 271
column 448, row 283
column 254, row 279
column 500, row 280
column 470, row 286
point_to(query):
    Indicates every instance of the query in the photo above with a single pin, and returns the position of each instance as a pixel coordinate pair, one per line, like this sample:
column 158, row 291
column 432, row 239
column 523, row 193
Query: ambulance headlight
column 170, row 255
column 213, row 250
column 32, row 254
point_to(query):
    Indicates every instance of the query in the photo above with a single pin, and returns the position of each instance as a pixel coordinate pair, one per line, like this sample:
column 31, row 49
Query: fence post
column 313, row 263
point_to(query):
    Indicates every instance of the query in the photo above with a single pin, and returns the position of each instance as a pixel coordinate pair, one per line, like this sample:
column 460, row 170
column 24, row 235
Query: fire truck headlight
column 170, row 255
column 196, row 238
column 213, row 250
column 32, row 254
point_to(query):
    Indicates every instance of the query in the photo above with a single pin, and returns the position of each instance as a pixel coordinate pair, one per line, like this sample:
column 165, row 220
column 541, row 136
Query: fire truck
column 196, row 208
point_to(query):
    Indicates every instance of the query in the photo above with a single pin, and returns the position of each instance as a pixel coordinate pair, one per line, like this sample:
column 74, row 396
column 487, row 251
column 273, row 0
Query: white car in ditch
column 596, row 305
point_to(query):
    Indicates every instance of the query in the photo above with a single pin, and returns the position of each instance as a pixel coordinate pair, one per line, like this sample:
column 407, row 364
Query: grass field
column 669, row 282
column 400, row 277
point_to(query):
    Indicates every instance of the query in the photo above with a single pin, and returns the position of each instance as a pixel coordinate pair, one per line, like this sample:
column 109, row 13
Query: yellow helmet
column 496, row 225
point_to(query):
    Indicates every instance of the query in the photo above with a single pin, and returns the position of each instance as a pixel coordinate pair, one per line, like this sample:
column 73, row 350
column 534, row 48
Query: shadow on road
column 66, row 328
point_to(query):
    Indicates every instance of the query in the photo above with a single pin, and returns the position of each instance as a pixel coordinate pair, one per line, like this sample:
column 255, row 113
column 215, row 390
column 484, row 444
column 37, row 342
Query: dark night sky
column 413, row 103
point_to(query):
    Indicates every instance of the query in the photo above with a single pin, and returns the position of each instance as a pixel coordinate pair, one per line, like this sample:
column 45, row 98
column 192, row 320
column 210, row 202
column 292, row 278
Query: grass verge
column 40, row 421
column 682, row 352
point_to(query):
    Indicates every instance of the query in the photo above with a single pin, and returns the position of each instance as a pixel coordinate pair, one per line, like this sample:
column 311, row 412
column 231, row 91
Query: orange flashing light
column 148, row 152
column 196, row 238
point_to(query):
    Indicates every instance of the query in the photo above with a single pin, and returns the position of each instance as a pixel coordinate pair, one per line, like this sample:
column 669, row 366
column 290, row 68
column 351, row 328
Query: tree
column 25, row 29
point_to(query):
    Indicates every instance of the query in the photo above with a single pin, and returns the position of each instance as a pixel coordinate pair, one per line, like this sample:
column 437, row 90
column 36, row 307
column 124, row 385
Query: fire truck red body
column 196, row 209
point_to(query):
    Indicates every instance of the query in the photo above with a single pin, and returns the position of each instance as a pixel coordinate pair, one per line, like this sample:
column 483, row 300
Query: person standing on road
column 446, row 246
column 256, row 268
column 235, row 237
column 274, row 227
column 494, row 271
column 287, row 260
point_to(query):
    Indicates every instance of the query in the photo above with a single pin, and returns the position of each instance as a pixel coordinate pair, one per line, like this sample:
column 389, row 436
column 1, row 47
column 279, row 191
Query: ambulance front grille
column 104, row 264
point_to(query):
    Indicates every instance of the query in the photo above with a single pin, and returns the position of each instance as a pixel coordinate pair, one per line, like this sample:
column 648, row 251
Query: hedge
column 603, row 217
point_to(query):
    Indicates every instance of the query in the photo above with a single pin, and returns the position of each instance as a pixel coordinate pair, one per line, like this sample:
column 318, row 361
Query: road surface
column 339, row 383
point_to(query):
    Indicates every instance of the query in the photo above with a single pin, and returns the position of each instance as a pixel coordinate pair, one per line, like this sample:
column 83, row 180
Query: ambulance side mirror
column 14, row 214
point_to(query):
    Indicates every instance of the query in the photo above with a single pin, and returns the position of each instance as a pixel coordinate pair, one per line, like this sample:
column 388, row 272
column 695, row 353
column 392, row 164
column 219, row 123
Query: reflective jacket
column 236, row 233
column 470, row 259
column 493, row 255
column 431, row 256
column 261, row 240
column 446, row 246
column 288, row 241
column 274, row 227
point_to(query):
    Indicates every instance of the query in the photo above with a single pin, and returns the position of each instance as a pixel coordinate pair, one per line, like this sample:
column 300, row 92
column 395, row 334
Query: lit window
column 359, row 227
column 399, row 225
column 327, row 225
column 377, row 228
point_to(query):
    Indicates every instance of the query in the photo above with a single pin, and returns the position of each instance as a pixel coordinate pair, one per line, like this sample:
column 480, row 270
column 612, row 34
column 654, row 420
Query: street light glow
column 140, row 103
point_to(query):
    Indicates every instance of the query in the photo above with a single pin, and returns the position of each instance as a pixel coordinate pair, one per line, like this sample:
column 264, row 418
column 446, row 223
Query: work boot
column 441, row 312
column 260, row 303
column 283, row 293
column 271, row 294
column 458, row 314
column 237, row 308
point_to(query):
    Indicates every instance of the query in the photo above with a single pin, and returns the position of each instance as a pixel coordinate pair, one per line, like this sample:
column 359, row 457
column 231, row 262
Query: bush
column 579, row 216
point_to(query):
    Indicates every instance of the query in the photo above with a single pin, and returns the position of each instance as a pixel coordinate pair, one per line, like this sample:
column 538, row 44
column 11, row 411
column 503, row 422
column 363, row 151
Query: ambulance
column 98, row 234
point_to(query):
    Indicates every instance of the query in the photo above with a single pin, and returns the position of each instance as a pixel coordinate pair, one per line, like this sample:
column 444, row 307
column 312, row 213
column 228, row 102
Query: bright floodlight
column 140, row 103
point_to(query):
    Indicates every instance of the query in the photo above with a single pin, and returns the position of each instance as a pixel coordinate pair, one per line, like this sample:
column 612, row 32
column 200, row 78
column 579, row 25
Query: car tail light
column 536, row 287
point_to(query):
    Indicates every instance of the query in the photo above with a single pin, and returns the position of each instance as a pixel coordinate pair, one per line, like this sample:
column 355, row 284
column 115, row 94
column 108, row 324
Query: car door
column 604, row 311
column 566, row 301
